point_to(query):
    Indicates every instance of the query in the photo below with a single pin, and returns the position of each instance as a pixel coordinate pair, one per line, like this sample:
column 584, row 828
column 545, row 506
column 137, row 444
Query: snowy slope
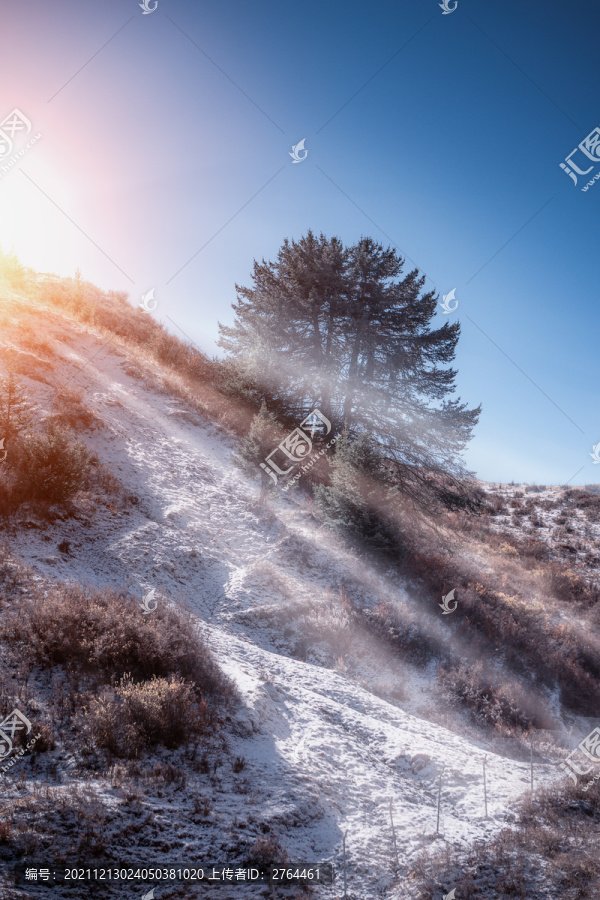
column 325, row 754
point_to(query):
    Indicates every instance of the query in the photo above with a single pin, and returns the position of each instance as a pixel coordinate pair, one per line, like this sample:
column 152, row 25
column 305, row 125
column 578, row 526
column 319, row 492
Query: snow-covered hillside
column 330, row 733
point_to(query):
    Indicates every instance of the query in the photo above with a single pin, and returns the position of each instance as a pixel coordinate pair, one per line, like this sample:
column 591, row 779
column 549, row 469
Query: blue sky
column 165, row 138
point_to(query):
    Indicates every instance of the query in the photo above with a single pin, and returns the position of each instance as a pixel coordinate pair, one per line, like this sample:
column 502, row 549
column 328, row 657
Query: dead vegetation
column 551, row 852
column 102, row 635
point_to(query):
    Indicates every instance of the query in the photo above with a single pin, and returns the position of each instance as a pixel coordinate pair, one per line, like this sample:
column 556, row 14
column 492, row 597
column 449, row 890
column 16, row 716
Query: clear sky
column 164, row 163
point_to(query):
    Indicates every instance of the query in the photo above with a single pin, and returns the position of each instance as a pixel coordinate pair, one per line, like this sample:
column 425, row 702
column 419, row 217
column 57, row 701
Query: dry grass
column 80, row 817
column 31, row 337
column 329, row 622
column 15, row 576
column 266, row 851
column 552, row 853
column 186, row 372
column 71, row 411
column 505, row 615
column 183, row 370
column 103, row 635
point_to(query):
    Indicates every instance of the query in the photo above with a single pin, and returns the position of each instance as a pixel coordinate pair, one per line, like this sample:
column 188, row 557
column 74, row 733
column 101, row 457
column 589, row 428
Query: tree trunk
column 353, row 366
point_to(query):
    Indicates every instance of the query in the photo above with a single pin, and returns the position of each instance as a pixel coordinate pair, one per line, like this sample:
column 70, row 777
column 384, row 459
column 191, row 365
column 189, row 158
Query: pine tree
column 263, row 437
column 343, row 330
column 53, row 467
column 357, row 492
column 16, row 410
column 285, row 336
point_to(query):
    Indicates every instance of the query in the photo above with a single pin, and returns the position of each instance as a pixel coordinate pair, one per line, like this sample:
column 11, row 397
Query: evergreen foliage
column 341, row 329
column 16, row 410
column 355, row 499
column 262, row 438
column 52, row 465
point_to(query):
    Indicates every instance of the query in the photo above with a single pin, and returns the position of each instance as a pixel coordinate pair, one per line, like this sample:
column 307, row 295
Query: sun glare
column 32, row 227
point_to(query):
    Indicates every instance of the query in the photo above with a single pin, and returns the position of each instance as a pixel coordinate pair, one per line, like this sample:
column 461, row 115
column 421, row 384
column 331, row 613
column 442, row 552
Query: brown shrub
column 405, row 634
column 490, row 699
column 266, row 851
column 239, row 764
column 45, row 740
column 134, row 717
column 9, row 502
column 15, row 576
column 104, row 634
column 571, row 587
